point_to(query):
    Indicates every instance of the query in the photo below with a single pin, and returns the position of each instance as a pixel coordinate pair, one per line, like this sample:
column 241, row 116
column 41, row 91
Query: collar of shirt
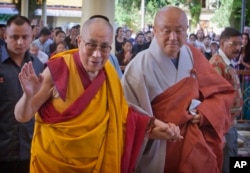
column 4, row 55
column 224, row 57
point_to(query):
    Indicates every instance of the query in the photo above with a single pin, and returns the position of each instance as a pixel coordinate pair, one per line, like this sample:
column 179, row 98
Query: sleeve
column 114, row 61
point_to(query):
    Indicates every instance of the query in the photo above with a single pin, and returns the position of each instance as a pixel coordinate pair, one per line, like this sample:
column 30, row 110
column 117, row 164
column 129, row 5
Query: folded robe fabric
column 202, row 145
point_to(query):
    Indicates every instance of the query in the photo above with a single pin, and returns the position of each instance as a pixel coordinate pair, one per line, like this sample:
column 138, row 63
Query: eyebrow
column 94, row 41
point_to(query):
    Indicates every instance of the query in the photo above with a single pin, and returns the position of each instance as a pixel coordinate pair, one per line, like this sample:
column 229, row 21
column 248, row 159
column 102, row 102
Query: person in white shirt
column 34, row 50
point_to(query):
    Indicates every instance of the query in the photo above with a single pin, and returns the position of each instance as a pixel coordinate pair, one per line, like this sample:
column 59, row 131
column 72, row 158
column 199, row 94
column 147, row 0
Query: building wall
column 65, row 22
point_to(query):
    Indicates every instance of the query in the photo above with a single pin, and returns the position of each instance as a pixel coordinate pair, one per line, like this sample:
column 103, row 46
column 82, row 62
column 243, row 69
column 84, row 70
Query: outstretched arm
column 36, row 90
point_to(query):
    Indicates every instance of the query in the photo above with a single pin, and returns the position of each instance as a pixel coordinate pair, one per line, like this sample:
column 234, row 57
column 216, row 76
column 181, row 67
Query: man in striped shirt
column 230, row 47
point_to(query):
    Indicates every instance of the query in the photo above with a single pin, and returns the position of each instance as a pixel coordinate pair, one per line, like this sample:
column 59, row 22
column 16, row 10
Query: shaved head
column 96, row 22
column 170, row 29
column 172, row 12
column 94, row 44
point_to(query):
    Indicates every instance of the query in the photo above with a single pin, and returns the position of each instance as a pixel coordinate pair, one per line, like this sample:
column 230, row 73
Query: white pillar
column 44, row 13
column 102, row 7
column 142, row 14
column 99, row 7
column 25, row 8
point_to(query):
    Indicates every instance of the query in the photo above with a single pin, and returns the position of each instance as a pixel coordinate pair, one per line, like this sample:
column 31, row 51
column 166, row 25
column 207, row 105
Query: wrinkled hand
column 167, row 131
column 29, row 81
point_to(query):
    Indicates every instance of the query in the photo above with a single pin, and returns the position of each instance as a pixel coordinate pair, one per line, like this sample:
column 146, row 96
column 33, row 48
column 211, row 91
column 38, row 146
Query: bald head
column 94, row 44
column 173, row 13
column 170, row 27
column 96, row 22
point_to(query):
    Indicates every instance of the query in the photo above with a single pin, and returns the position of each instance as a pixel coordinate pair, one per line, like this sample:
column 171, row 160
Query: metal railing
column 244, row 76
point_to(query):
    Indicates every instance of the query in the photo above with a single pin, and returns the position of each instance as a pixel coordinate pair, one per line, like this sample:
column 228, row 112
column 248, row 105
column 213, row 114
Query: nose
column 96, row 52
column 20, row 40
column 173, row 35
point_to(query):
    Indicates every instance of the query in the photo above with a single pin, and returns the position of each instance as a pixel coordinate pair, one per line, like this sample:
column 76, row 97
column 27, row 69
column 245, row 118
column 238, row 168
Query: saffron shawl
column 93, row 141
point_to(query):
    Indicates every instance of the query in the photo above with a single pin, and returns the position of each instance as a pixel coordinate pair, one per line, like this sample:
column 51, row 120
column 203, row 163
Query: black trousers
column 15, row 166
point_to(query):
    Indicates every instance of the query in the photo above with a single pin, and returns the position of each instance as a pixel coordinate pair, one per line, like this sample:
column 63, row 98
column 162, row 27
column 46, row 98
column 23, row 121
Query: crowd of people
column 64, row 107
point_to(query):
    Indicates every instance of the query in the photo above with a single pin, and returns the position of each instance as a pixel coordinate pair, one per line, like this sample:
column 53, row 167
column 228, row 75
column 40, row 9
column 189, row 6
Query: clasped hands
column 165, row 131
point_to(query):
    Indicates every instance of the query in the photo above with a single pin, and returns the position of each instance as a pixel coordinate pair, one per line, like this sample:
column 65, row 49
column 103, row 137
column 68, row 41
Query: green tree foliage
column 131, row 17
column 235, row 16
column 195, row 11
column 229, row 13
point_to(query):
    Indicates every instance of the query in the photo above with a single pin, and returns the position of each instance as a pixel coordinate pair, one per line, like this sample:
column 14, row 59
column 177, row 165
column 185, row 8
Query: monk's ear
column 79, row 39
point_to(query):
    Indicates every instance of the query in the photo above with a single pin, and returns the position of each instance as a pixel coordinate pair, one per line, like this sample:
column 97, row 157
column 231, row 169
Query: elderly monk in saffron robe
column 175, row 82
column 84, row 123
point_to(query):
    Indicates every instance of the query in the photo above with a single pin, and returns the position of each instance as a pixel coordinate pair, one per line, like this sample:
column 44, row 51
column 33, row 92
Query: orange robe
column 202, row 145
column 69, row 139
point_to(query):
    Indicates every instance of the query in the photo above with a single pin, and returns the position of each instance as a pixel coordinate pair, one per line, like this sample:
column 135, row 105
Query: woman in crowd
column 119, row 39
column 60, row 47
column 126, row 54
column 244, row 64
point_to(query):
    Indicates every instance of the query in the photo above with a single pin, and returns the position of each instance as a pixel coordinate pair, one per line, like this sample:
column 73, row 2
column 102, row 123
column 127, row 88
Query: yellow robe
column 91, row 142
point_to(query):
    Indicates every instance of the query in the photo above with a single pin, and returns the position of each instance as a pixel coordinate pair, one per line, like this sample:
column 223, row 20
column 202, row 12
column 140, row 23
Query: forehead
column 98, row 32
column 14, row 29
column 60, row 34
column 235, row 38
column 128, row 44
column 34, row 48
column 60, row 45
column 171, row 18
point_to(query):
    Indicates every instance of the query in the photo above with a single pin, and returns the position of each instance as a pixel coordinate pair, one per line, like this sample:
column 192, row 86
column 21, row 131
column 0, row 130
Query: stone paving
column 243, row 139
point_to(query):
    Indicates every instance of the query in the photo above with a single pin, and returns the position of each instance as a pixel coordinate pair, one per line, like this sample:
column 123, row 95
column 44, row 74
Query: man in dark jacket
column 15, row 137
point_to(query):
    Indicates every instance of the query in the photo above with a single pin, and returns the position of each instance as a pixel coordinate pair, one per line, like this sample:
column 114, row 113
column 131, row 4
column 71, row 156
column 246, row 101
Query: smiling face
column 95, row 44
column 170, row 30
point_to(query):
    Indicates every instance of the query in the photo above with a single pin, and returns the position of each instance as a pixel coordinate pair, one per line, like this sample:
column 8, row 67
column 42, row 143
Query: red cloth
column 135, row 132
column 136, row 123
column 60, row 77
column 202, row 146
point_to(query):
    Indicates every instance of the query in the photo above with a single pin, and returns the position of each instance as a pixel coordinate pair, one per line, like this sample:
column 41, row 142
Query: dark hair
column 138, row 34
column 229, row 32
column 126, row 41
column 148, row 32
column 59, row 31
column 33, row 26
column 194, row 35
column 63, row 43
column 117, row 30
column 18, row 20
column 2, row 26
column 75, row 27
column 99, row 16
column 247, row 49
column 58, row 28
column 208, row 37
column 44, row 31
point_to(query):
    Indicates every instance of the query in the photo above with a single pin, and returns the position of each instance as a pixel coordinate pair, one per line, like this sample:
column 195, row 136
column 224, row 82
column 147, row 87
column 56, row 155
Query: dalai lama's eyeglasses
column 93, row 46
